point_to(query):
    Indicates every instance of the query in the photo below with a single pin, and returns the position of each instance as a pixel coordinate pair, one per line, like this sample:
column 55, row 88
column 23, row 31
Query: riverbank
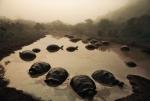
column 9, row 47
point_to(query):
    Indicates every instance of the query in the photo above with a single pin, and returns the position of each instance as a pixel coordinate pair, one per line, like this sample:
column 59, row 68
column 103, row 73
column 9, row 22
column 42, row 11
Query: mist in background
column 69, row 11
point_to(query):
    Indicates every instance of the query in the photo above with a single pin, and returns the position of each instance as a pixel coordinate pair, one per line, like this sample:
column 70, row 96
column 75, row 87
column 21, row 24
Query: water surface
column 79, row 62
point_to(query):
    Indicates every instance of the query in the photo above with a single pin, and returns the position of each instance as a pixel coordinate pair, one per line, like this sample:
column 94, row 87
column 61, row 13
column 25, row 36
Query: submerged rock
column 75, row 40
column 27, row 55
column 36, row 50
column 93, row 41
column 90, row 47
column 72, row 49
column 125, row 48
column 105, row 43
column 39, row 68
column 106, row 78
column 140, row 87
column 54, row 48
column 69, row 36
column 131, row 64
column 97, row 44
column 56, row 76
column 84, row 86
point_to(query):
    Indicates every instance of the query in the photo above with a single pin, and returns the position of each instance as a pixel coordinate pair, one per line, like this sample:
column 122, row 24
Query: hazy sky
column 70, row 11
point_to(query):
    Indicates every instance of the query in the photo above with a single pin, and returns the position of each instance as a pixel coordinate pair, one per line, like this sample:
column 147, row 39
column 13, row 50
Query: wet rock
column 125, row 48
column 84, row 41
column 72, row 49
column 131, row 64
column 84, row 86
column 69, row 36
column 39, row 68
column 27, row 55
column 106, row 43
column 54, row 48
column 97, row 44
column 140, row 87
column 75, row 40
column 56, row 76
column 36, row 50
column 90, row 47
column 93, row 41
column 106, row 78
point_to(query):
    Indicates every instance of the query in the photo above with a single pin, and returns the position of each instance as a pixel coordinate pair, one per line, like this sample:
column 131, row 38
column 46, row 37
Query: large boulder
column 84, row 86
column 39, row 68
column 56, row 76
column 106, row 78
column 27, row 55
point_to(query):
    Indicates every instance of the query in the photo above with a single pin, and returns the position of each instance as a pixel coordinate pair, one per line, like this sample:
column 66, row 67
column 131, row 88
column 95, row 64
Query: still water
column 79, row 62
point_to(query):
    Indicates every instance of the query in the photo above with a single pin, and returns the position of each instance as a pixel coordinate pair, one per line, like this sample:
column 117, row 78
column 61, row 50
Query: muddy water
column 81, row 61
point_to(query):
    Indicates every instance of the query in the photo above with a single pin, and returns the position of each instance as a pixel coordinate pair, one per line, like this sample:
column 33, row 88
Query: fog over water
column 69, row 11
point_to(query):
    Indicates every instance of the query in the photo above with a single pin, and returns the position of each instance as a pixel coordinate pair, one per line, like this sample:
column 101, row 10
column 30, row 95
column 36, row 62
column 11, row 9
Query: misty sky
column 69, row 11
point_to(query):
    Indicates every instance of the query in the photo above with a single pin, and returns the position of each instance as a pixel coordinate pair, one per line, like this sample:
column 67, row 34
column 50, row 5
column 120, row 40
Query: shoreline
column 7, row 50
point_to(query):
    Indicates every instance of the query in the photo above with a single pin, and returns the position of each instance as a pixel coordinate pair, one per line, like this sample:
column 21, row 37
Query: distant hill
column 135, row 9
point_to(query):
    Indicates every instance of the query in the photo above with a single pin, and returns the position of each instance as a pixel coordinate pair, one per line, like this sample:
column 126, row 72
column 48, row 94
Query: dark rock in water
column 72, row 49
column 90, row 47
column 105, row 43
column 140, row 87
column 93, row 41
column 36, row 50
column 39, row 68
column 75, row 40
column 84, row 41
column 56, row 76
column 146, row 50
column 106, row 78
column 97, row 44
column 84, row 86
column 130, row 64
column 125, row 48
column 54, row 48
column 69, row 36
column 27, row 55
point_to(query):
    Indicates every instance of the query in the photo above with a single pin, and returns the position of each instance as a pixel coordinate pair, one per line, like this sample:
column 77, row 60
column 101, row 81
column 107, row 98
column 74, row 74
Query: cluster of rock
column 54, row 77
column 83, row 85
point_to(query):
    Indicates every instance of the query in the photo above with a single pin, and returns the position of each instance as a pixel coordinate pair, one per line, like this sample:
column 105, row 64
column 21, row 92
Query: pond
column 82, row 61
